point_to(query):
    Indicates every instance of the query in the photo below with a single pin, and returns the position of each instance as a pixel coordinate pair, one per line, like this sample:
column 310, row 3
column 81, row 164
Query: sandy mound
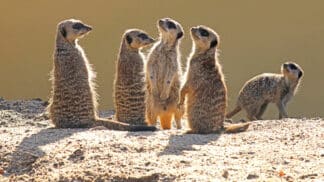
column 30, row 149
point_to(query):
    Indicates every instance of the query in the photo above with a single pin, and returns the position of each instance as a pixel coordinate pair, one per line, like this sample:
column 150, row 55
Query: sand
column 271, row 150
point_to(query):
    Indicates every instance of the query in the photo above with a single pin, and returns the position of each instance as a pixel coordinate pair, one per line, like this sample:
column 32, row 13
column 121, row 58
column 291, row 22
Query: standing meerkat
column 129, row 93
column 73, row 103
column 163, row 72
column 204, row 87
column 263, row 89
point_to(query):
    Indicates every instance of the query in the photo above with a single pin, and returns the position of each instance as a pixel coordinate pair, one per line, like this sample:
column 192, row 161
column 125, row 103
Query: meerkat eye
column 168, row 82
column 171, row 25
column 203, row 32
column 77, row 26
column 151, row 77
column 143, row 36
column 292, row 66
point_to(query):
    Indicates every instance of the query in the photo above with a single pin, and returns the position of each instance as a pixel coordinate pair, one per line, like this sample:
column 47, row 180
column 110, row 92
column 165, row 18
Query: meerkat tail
column 236, row 128
column 235, row 111
column 115, row 125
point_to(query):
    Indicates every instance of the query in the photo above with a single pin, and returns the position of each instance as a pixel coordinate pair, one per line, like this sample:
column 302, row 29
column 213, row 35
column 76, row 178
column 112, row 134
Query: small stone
column 286, row 162
column 37, row 99
column 308, row 176
column 225, row 174
column 123, row 149
column 301, row 158
column 252, row 176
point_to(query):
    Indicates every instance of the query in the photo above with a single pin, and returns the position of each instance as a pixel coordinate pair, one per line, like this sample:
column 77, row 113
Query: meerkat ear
column 213, row 44
column 180, row 34
column 300, row 74
column 129, row 39
column 63, row 31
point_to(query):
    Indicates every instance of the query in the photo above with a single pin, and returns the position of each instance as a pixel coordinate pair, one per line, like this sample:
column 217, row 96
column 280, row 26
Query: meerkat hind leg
column 150, row 117
column 252, row 112
column 282, row 111
column 251, row 115
column 177, row 117
column 165, row 120
column 261, row 111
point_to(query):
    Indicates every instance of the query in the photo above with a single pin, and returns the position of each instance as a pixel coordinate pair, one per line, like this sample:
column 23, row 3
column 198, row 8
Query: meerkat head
column 72, row 29
column 204, row 38
column 135, row 38
column 292, row 71
column 170, row 30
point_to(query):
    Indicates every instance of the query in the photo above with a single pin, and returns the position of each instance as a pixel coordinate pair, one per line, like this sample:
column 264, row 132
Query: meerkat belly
column 206, row 108
column 170, row 104
column 130, row 102
column 72, row 105
column 262, row 89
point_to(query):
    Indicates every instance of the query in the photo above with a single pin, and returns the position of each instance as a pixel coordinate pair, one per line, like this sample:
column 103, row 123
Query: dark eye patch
column 171, row 25
column 143, row 36
column 77, row 26
column 213, row 44
column 292, row 66
column 203, row 32
column 129, row 39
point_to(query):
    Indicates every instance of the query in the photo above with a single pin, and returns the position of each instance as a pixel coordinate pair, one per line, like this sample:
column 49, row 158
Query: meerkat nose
column 152, row 40
column 193, row 29
column 161, row 22
column 89, row 28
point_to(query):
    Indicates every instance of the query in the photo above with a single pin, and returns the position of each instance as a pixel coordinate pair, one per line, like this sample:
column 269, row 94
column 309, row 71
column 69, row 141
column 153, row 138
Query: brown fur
column 162, row 77
column 73, row 103
column 205, row 87
column 267, row 88
column 129, row 94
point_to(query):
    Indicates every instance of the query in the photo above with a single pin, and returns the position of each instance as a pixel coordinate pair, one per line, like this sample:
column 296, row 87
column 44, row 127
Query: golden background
column 256, row 37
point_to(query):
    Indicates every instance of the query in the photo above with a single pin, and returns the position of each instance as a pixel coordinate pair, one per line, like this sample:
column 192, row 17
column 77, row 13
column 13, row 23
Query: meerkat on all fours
column 129, row 93
column 204, row 88
column 267, row 88
column 162, row 75
column 73, row 103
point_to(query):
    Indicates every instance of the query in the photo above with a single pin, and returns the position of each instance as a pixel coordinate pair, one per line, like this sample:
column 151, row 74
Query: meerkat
column 162, row 76
column 204, row 87
column 73, row 102
column 129, row 93
column 267, row 88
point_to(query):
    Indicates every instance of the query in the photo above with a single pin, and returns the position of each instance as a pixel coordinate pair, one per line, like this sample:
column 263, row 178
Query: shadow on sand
column 179, row 143
column 29, row 151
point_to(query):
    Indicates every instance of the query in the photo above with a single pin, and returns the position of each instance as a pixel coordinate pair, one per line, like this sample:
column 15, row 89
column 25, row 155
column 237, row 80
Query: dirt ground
column 271, row 150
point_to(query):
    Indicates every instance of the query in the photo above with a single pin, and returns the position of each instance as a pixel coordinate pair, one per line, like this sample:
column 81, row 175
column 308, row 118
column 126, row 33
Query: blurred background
column 256, row 37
